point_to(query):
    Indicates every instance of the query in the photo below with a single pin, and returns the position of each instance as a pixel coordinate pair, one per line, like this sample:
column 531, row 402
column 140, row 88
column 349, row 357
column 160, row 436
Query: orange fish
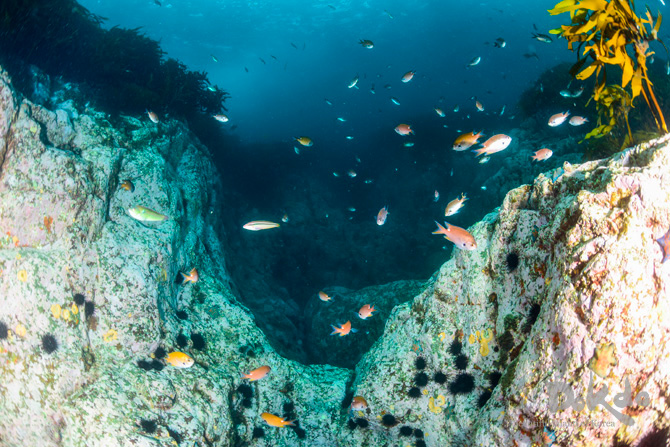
column 323, row 296
column 257, row 373
column 153, row 117
column 466, row 140
column 275, row 421
column 366, row 311
column 404, row 130
column 455, row 205
column 179, row 360
column 359, row 404
column 408, row 76
column 191, row 277
column 578, row 120
column 494, row 144
column 382, row 214
column 558, row 119
column 128, row 185
column 305, row 141
column 459, row 236
column 343, row 330
column 479, row 106
column 542, row 154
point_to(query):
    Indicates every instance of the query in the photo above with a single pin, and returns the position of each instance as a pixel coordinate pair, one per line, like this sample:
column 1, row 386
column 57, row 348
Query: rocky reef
column 565, row 295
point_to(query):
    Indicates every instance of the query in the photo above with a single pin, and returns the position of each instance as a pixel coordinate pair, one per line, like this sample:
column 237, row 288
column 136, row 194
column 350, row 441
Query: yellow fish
column 455, row 205
column 144, row 214
column 257, row 225
column 305, row 141
column 179, row 360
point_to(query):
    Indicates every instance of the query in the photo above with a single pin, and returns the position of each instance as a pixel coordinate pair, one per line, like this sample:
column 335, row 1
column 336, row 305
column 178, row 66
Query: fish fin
column 480, row 151
column 440, row 229
column 354, row 330
column 335, row 330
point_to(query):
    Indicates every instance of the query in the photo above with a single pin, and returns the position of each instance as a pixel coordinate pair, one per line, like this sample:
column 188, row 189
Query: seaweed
column 609, row 33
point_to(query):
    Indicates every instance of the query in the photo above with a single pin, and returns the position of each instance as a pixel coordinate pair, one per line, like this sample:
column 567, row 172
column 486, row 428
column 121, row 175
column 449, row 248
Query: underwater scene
column 334, row 223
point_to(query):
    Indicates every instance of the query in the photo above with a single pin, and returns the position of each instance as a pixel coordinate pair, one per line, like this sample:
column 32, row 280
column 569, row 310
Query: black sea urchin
column 421, row 379
column 89, row 308
column 79, row 299
column 258, row 433
column 4, row 332
column 463, row 384
column 182, row 341
column 198, row 341
column 494, row 378
column 160, row 352
column 420, row 363
column 389, row 420
column 406, row 430
column 363, row 423
column 182, row 315
column 149, row 426
column 49, row 343
column 440, row 377
column 483, row 398
column 461, row 362
column 512, row 261
column 414, row 392
column 455, row 347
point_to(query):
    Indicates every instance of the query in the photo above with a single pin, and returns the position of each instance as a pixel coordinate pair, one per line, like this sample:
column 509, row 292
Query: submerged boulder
column 565, row 295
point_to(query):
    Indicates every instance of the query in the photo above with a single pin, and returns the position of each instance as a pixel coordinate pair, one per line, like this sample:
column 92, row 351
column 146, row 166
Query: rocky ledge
column 564, row 301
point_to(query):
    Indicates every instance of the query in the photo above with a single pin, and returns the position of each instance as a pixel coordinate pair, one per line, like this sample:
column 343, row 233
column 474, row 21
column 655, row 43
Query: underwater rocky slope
column 567, row 279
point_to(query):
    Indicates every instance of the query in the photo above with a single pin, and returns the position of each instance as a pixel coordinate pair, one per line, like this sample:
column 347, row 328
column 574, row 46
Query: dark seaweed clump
column 420, row 443
column 512, row 261
column 440, row 377
column 49, row 343
column 414, row 392
column 198, row 341
column 346, row 402
column 533, row 313
column 89, row 309
column 421, row 379
column 258, row 433
column 406, row 430
column 246, row 402
column 420, row 363
column 3, row 330
column 483, row 398
column 455, row 347
column 300, row 432
column 145, row 365
column 389, row 420
column 494, row 378
column 288, row 408
column 463, row 384
column 124, row 69
column 149, row 426
column 174, row 435
column 79, row 299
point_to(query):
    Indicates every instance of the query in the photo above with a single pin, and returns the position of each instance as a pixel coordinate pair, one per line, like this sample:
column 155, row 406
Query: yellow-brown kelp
column 612, row 34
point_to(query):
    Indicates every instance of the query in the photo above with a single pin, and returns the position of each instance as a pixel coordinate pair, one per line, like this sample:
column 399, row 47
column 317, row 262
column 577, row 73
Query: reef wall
column 567, row 279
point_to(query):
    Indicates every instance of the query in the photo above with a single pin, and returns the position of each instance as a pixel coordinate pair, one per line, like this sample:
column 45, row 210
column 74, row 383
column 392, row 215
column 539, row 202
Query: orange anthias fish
column 455, row 205
column 257, row 373
column 466, row 140
column 275, row 421
column 558, row 119
column 404, row 130
column 323, row 296
column 479, row 106
column 191, row 277
column 359, row 404
column 128, row 185
column 305, row 141
column 459, row 236
column 408, row 76
column 153, row 117
column 494, row 144
column 439, row 112
column 382, row 214
column 542, row 154
column 343, row 330
column 578, row 121
column 257, row 225
column 366, row 311
column 179, row 360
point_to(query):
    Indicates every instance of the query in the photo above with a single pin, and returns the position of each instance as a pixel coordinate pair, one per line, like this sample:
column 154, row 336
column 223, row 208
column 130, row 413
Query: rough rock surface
column 589, row 293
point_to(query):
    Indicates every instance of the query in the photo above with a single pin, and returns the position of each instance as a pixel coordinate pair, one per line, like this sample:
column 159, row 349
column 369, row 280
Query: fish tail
column 354, row 330
column 480, row 151
column 440, row 229
column 335, row 330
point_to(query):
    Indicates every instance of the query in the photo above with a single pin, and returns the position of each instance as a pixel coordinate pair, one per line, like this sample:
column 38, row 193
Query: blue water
column 284, row 97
